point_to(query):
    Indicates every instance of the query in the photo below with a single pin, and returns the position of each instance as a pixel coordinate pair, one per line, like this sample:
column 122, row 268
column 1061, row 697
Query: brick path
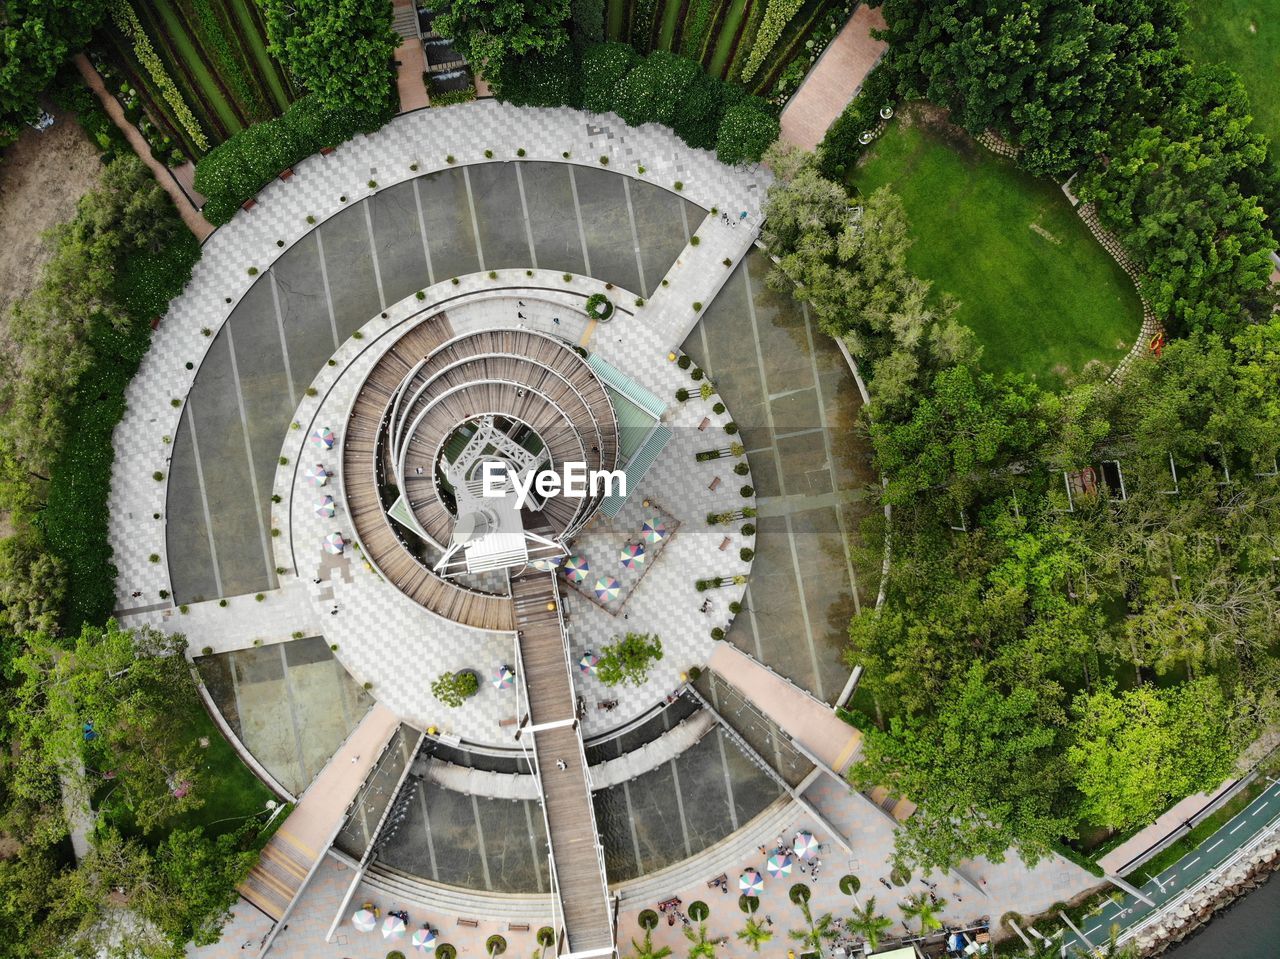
column 834, row 80
column 192, row 217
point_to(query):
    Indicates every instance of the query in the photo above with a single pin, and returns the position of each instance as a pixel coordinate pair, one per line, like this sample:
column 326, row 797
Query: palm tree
column 702, row 947
column 647, row 950
column 815, row 933
column 868, row 924
column 755, row 933
column 925, row 910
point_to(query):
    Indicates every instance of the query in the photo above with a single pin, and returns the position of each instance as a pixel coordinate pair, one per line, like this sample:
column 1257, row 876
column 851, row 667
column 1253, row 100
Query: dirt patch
column 41, row 178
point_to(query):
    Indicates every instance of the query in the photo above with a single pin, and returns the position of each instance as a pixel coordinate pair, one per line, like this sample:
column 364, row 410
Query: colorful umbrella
column 322, row 436
column 546, row 565
column 805, row 845
column 778, row 866
column 325, row 507
column 576, row 568
column 392, row 927
column 654, row 530
column 751, row 882
column 424, row 940
column 364, row 920
column 607, row 588
column 588, row 662
column 503, row 678
column 334, row 543
column 631, row 556
column 318, row 474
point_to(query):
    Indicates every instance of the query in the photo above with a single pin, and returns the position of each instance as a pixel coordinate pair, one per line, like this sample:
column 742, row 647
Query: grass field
column 1244, row 35
column 1042, row 295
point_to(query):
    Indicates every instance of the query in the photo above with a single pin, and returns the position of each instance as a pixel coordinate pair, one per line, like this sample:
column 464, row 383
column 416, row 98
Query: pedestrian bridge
column 553, row 740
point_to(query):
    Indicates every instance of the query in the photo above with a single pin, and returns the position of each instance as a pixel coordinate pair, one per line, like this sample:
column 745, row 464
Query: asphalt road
column 1204, row 859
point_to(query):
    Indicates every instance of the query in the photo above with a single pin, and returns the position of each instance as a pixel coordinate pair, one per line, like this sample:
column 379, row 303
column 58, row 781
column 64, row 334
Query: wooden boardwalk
column 566, row 792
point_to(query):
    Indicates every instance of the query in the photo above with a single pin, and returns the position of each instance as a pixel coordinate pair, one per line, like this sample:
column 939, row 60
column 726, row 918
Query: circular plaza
column 342, row 408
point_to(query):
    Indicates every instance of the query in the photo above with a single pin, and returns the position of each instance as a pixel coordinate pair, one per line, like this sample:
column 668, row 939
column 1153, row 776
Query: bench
column 469, row 923
column 517, row 927
column 509, row 721
column 248, row 204
column 706, row 421
column 714, row 484
column 724, row 544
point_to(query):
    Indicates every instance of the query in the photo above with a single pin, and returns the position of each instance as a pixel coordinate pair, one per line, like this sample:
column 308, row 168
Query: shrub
column 488, row 154
column 651, row 92
column 695, row 240
column 731, row 427
column 746, row 554
column 747, row 491
column 639, row 301
column 153, row 558
column 449, row 159
column 840, row 146
column 520, row 152
column 685, row 361
column 157, row 476
column 717, row 633
column 259, row 597
column 748, row 529
column 627, row 660
column 682, row 394
column 727, row 262
column 567, row 277
column 679, row 185
column 542, row 80
column 718, row 408
column 453, row 689
column 235, row 170
column 599, row 306
column 698, row 114
column 493, row 274
column 742, row 469
column 206, row 651
column 697, row 306
column 420, row 295
column 697, row 374
column 373, row 184
column 735, row 607
column 604, row 160
column 745, row 132
column 604, row 66
column 706, row 391
column 275, row 497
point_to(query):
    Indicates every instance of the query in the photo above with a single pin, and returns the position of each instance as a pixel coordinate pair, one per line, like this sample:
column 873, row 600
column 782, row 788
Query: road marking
column 1090, row 932
column 1191, row 863
column 1214, row 846
column 373, row 253
column 475, row 224
column 1258, row 810
column 1236, row 826
column 431, row 273
column 635, row 236
column 528, row 228
column 248, row 450
column 582, row 233
column 328, row 295
column 284, row 342
column 204, row 497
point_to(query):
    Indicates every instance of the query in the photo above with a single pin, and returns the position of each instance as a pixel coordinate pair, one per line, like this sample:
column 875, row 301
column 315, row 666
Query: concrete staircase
column 405, row 20
column 413, row 891
column 278, row 875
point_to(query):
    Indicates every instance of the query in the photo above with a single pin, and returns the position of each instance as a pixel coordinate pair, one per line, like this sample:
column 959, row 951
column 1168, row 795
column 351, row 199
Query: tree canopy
column 488, row 32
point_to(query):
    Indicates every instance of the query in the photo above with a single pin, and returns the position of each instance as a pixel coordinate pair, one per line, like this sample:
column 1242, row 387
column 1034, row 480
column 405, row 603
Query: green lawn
column 1042, row 295
column 232, row 791
column 1245, row 35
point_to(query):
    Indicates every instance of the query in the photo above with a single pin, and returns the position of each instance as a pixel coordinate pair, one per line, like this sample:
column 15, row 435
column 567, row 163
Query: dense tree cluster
column 1057, row 74
column 660, row 88
column 489, row 33
column 339, row 50
column 1021, row 634
column 1164, row 150
column 37, row 36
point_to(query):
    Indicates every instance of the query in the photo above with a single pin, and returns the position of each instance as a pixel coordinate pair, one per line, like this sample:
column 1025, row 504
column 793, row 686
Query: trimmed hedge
column 75, row 519
column 233, row 172
column 665, row 88
column 840, row 147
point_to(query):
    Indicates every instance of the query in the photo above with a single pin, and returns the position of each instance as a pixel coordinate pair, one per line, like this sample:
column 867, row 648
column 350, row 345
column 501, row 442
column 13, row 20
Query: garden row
column 199, row 68
column 765, row 45
column 664, row 88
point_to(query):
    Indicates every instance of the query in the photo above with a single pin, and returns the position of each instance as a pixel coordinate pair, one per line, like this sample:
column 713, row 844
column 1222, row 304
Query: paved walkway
column 806, row 720
column 1117, row 859
column 834, row 79
column 1128, row 912
column 192, row 217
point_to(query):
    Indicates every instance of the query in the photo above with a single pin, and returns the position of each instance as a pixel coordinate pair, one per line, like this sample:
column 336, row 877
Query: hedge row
column 75, row 518
column 705, row 112
column 840, row 148
column 237, row 169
